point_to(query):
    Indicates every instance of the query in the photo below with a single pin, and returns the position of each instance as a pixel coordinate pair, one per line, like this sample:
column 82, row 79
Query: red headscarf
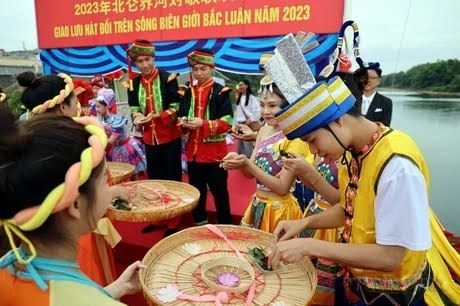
column 84, row 91
column 99, row 81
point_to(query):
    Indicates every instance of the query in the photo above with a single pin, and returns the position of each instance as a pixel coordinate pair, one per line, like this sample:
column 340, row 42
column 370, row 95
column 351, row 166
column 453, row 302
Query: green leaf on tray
column 284, row 153
column 120, row 204
column 259, row 257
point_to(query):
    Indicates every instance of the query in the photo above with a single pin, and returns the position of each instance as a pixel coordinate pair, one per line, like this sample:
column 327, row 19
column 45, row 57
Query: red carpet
column 134, row 244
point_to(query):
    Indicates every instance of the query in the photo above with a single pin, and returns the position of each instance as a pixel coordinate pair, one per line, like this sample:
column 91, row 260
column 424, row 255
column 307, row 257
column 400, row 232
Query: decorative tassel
column 130, row 72
column 345, row 63
column 191, row 79
column 266, row 85
column 192, row 104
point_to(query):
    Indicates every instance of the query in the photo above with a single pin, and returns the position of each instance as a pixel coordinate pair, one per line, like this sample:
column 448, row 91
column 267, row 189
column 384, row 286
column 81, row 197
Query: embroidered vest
column 392, row 143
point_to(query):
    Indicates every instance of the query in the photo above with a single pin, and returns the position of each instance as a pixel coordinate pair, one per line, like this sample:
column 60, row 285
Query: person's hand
column 235, row 162
column 243, row 132
column 230, row 155
column 127, row 283
column 289, row 251
column 119, row 192
column 297, row 165
column 288, row 229
column 140, row 119
column 193, row 124
column 137, row 118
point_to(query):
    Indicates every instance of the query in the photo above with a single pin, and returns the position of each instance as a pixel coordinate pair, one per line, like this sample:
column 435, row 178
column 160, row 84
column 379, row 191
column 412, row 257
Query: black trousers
column 164, row 161
column 202, row 175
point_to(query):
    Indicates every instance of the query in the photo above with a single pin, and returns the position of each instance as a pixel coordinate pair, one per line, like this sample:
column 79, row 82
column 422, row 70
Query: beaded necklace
column 354, row 171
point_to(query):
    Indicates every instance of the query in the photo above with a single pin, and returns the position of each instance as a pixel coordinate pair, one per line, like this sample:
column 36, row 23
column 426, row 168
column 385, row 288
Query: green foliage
column 254, row 80
column 120, row 204
column 235, row 78
column 441, row 76
column 14, row 101
column 259, row 257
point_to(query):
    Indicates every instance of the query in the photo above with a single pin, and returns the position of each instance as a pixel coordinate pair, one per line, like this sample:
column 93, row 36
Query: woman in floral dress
column 122, row 147
column 273, row 200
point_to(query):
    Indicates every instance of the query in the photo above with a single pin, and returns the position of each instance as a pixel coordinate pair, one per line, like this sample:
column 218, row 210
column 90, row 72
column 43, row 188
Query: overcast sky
column 432, row 31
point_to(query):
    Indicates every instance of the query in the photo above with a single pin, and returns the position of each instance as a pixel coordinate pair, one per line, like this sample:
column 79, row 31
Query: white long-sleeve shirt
column 252, row 110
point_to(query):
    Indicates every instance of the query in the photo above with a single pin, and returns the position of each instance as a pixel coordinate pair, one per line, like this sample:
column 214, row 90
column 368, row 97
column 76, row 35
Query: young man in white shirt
column 384, row 206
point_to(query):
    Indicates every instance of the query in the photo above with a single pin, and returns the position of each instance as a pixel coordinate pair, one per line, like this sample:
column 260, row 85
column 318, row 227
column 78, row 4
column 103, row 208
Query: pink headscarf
column 108, row 97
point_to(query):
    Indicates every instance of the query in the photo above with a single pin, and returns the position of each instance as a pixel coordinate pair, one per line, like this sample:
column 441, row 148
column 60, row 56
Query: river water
column 434, row 123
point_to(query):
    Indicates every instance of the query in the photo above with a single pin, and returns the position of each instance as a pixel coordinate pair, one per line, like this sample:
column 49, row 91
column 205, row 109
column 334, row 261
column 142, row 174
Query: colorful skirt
column 265, row 213
column 326, row 270
column 129, row 151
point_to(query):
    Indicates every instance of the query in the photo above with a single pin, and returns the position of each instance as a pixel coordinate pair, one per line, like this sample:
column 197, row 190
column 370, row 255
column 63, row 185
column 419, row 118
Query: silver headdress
column 288, row 67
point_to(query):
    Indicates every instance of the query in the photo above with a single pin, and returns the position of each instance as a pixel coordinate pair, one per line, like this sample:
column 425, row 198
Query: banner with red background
column 81, row 23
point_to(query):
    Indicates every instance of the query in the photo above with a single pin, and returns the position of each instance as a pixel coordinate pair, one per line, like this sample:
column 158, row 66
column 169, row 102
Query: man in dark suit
column 374, row 106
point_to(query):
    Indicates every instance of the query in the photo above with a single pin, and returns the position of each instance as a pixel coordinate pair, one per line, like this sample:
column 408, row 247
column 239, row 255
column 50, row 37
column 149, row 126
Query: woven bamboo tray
column 120, row 172
column 177, row 198
column 176, row 264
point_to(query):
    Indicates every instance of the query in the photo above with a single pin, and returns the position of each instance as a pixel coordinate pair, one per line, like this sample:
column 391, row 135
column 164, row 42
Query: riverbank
column 422, row 93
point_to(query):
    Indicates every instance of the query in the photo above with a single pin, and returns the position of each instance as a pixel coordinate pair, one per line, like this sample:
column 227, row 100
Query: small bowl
column 150, row 191
column 233, row 264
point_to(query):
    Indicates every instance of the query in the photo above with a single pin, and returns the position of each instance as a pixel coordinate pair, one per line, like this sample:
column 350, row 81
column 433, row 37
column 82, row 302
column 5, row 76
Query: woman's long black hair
column 248, row 93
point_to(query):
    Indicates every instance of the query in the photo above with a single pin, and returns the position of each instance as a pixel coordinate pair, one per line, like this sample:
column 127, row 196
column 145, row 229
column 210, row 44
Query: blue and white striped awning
column 237, row 55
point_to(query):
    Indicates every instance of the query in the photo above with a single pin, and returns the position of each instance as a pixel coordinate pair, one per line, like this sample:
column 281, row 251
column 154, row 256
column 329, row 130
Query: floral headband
column 61, row 197
column 64, row 93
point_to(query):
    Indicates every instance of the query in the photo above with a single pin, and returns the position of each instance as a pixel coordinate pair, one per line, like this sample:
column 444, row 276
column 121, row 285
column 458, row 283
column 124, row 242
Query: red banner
column 77, row 23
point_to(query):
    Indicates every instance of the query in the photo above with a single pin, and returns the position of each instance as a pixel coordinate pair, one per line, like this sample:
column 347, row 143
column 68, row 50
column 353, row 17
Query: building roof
column 18, row 62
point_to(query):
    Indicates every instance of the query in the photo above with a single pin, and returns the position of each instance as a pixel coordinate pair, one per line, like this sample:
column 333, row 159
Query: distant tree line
column 441, row 76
